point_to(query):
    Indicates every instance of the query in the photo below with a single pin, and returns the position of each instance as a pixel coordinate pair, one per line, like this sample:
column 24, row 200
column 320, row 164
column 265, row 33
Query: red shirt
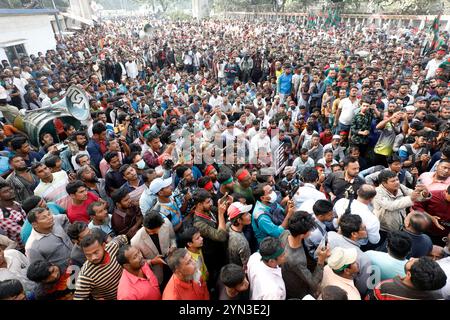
column 180, row 290
column 436, row 206
column 325, row 139
column 135, row 288
column 79, row 213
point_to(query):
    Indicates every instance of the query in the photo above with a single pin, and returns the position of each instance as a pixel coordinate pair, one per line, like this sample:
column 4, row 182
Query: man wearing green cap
column 264, row 272
column 341, row 269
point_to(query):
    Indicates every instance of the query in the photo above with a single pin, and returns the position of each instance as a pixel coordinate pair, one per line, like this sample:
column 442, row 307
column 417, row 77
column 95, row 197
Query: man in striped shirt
column 100, row 275
column 52, row 186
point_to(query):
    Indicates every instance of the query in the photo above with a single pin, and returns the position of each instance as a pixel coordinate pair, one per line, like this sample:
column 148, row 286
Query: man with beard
column 21, row 179
column 138, row 282
column 226, row 182
column 86, row 174
column 127, row 217
column 100, row 275
column 344, row 184
column 81, row 142
column 212, row 228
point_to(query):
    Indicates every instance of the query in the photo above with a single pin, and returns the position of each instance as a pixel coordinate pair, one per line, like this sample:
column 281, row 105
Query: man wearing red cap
column 211, row 172
column 243, row 187
column 238, row 246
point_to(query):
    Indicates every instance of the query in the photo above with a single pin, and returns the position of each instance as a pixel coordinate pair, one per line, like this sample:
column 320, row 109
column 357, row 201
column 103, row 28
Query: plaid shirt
column 11, row 221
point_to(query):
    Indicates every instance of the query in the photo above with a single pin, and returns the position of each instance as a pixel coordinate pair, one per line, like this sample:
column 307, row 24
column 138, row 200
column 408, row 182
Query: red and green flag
column 435, row 29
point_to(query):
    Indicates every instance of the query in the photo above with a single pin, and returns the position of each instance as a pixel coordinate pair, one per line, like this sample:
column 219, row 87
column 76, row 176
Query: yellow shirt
column 278, row 73
column 202, row 271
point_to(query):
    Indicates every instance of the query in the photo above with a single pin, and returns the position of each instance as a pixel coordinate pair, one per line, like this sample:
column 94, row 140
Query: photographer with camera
column 290, row 183
column 185, row 189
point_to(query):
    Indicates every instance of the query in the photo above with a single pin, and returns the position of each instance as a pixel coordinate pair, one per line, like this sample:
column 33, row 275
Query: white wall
column 36, row 30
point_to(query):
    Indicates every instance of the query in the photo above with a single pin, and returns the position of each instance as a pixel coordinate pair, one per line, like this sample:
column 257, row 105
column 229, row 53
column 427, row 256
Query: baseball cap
column 236, row 209
column 341, row 257
column 158, row 184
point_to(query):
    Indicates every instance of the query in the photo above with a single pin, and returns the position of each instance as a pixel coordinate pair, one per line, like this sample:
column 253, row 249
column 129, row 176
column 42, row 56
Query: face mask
column 141, row 164
column 273, row 197
column 363, row 242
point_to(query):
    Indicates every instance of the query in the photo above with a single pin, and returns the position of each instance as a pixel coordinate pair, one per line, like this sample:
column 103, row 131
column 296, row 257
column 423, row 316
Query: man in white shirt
column 215, row 100
column 132, row 69
column 260, row 140
column 303, row 161
column 445, row 265
column 230, row 134
column 328, row 161
column 259, row 101
column 360, row 207
column 264, row 272
column 346, row 110
column 335, row 146
column 433, row 64
column 309, row 190
column 253, row 131
column 14, row 265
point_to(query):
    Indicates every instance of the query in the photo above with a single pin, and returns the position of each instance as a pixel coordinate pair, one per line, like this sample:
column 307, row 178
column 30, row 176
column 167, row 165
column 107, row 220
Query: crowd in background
column 229, row 160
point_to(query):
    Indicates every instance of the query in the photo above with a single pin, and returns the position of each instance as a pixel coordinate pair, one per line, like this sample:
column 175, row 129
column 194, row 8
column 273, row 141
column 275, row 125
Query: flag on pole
column 435, row 29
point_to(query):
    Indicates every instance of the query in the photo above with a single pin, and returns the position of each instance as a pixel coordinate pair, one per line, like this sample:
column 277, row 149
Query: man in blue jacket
column 97, row 145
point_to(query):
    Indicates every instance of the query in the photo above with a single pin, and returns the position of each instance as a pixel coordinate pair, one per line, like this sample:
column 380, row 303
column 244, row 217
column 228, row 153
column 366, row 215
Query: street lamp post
column 58, row 24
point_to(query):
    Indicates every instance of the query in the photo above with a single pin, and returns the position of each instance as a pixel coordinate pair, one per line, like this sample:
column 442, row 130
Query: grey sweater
column 298, row 279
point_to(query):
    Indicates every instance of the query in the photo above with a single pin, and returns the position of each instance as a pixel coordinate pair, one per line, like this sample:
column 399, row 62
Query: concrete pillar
column 422, row 24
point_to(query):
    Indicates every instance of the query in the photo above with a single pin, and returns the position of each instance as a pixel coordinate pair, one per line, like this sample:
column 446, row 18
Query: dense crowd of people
column 229, row 160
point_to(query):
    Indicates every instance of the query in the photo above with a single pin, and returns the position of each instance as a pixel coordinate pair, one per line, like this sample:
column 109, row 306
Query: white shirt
column 445, row 265
column 20, row 83
column 228, row 136
column 432, row 66
column 307, row 192
column 327, row 168
column 221, row 70
column 16, row 268
column 215, row 101
column 368, row 218
column 132, row 69
column 347, row 111
column 256, row 143
column 266, row 283
column 251, row 133
column 255, row 102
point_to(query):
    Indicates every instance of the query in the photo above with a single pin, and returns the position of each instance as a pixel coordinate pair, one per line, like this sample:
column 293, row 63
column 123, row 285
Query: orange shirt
column 180, row 290
column 9, row 130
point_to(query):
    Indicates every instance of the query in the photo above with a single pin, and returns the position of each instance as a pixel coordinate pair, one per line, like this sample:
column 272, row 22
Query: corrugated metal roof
column 27, row 12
